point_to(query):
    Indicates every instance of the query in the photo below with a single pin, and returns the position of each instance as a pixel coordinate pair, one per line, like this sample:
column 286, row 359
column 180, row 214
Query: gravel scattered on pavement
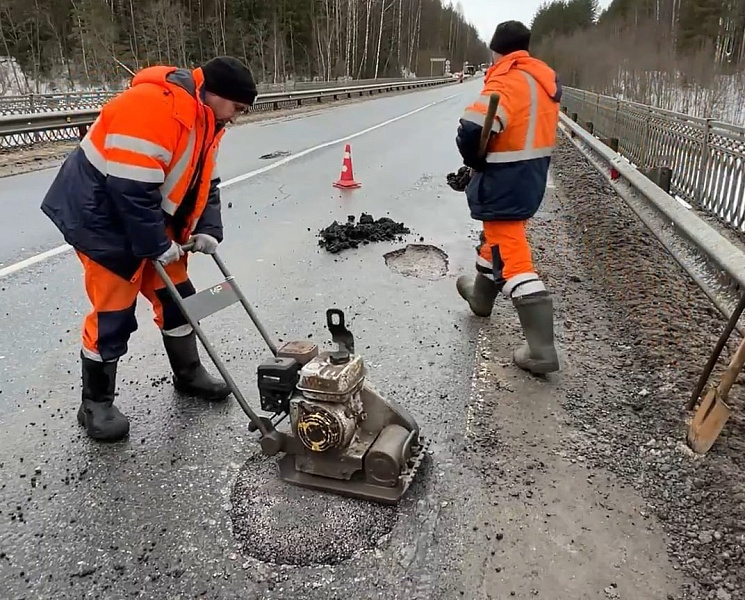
column 617, row 284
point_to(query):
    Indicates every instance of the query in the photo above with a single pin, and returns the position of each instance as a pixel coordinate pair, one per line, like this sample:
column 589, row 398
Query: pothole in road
column 276, row 522
column 418, row 260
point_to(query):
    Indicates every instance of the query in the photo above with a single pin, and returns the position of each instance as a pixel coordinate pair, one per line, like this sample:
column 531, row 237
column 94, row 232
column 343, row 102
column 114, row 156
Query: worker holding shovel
column 509, row 152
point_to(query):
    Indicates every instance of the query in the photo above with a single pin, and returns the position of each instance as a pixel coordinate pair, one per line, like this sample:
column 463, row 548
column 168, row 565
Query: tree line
column 686, row 55
column 96, row 42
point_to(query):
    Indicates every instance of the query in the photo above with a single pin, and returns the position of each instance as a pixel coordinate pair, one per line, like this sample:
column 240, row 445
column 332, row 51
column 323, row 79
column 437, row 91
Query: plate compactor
column 344, row 437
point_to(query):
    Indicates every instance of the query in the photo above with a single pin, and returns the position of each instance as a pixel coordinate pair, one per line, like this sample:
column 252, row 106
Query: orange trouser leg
column 504, row 250
column 504, row 256
column 168, row 316
column 109, row 325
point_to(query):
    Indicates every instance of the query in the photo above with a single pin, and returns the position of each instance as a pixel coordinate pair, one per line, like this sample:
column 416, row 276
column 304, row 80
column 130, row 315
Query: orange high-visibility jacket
column 144, row 170
column 510, row 180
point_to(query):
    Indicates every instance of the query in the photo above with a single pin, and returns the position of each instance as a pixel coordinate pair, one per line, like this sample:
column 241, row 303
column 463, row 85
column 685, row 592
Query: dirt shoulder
column 598, row 494
column 571, row 528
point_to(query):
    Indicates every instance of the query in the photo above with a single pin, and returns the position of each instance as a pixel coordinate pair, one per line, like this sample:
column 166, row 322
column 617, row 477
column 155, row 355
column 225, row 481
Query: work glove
column 478, row 164
column 171, row 255
column 204, row 243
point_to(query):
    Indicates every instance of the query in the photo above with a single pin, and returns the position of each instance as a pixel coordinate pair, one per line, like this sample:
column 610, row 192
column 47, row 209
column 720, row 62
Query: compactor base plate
column 356, row 487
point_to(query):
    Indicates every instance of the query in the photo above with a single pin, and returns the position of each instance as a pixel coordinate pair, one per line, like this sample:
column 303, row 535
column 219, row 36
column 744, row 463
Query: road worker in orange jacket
column 507, row 188
column 142, row 182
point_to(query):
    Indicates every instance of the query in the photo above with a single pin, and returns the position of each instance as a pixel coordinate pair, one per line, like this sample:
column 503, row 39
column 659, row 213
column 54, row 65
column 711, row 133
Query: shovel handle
column 491, row 113
column 732, row 371
column 731, row 324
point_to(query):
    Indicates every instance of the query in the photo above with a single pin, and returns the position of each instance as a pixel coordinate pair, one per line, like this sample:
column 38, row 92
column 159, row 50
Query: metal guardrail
column 707, row 157
column 57, row 102
column 18, row 131
column 710, row 259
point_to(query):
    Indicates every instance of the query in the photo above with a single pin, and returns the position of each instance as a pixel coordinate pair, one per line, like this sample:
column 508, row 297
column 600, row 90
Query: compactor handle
column 207, row 302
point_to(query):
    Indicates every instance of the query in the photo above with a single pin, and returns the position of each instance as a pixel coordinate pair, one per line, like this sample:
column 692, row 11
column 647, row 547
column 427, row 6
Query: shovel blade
column 708, row 422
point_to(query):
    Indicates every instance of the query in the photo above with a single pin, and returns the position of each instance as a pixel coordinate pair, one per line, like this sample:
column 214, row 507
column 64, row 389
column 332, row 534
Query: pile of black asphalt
column 343, row 236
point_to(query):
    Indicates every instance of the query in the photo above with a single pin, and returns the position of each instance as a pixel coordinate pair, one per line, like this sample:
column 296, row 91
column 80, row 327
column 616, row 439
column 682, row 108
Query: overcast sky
column 485, row 15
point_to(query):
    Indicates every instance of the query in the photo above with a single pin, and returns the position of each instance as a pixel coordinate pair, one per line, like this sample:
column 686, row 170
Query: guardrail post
column 662, row 177
column 703, row 164
column 575, row 118
column 665, row 178
column 613, row 143
column 590, row 126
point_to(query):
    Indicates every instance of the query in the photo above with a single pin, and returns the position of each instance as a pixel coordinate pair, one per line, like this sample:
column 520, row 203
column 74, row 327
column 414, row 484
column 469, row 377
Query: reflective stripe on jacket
column 143, row 173
column 511, row 179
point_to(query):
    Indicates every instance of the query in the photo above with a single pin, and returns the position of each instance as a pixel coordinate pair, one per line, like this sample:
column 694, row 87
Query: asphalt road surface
column 532, row 488
column 26, row 231
column 151, row 517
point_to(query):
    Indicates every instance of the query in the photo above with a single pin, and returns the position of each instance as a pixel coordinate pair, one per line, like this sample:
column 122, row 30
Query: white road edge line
column 292, row 157
column 19, row 266
column 23, row 264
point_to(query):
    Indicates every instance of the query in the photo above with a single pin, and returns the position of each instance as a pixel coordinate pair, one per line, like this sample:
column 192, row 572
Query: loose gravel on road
column 635, row 333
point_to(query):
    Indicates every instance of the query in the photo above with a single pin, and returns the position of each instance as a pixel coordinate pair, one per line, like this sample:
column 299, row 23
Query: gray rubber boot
column 102, row 420
column 480, row 293
column 189, row 375
column 538, row 355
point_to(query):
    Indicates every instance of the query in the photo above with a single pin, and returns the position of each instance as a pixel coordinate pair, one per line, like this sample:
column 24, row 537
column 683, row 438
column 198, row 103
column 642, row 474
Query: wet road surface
column 153, row 517
column 533, row 488
column 25, row 230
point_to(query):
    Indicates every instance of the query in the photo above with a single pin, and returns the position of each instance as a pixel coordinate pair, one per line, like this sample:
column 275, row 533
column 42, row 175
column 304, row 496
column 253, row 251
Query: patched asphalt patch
column 418, row 260
column 342, row 236
column 276, row 522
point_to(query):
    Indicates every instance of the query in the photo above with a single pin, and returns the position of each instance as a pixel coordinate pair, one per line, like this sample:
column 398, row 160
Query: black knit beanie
column 229, row 78
column 510, row 36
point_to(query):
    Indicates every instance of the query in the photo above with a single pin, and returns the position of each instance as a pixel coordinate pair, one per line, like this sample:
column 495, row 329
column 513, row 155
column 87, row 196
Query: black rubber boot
column 480, row 293
column 101, row 419
column 538, row 355
column 189, row 375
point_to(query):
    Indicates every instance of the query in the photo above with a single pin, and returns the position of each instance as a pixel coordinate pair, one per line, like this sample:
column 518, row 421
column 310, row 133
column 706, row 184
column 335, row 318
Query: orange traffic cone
column 346, row 180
